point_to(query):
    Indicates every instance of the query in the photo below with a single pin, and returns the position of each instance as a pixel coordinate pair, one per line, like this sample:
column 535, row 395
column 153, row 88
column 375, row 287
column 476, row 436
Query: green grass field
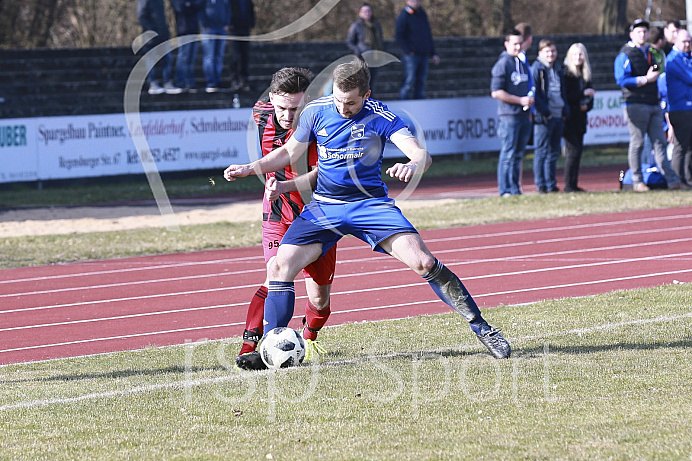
column 602, row 377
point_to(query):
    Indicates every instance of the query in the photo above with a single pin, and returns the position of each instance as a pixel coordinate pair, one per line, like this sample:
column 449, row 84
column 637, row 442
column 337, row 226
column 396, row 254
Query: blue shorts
column 372, row 220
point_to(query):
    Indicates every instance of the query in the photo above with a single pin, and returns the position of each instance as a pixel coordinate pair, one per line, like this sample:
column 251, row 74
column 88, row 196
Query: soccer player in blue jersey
column 350, row 198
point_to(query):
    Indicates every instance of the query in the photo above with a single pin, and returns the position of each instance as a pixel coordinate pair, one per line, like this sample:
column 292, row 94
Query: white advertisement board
column 454, row 126
column 102, row 145
column 18, row 158
column 46, row 148
column 607, row 124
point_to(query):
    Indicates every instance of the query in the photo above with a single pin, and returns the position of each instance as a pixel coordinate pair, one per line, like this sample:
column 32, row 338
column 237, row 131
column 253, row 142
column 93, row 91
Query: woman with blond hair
column 580, row 94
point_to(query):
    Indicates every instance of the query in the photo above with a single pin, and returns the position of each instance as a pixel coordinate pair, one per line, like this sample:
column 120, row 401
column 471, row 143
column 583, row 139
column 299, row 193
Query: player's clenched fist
column 236, row 171
column 402, row 171
column 273, row 189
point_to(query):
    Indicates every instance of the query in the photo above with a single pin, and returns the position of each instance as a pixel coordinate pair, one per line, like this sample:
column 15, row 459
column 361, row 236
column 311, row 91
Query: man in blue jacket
column 679, row 82
column 414, row 36
column 216, row 20
column 151, row 15
column 242, row 21
column 186, row 23
column 635, row 73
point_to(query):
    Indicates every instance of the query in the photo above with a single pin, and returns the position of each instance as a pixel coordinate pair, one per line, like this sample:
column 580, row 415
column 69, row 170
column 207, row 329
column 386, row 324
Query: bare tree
column 614, row 17
column 27, row 24
column 87, row 23
column 507, row 20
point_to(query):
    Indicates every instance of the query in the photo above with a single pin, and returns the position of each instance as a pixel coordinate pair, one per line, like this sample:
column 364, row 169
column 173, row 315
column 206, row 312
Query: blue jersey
column 349, row 150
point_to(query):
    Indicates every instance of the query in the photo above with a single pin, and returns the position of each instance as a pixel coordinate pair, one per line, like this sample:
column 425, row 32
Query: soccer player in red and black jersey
column 281, row 204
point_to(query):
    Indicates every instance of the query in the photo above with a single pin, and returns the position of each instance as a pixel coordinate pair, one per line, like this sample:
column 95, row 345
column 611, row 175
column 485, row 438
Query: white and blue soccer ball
column 282, row 347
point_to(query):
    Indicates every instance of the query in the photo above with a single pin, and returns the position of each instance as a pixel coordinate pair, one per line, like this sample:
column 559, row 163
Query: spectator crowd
column 543, row 104
column 215, row 19
column 548, row 102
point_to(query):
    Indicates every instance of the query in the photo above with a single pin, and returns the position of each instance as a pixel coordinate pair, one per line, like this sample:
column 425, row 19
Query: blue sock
column 452, row 292
column 278, row 307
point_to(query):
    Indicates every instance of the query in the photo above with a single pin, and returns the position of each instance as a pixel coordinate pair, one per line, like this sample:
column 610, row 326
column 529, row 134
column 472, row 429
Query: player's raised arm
column 420, row 159
column 274, row 161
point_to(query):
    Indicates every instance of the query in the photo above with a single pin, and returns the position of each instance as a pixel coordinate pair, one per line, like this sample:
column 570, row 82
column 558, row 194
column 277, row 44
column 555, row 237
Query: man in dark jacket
column 151, row 15
column 186, row 22
column 414, row 36
column 365, row 34
column 242, row 20
column 549, row 119
column 511, row 84
column 216, row 21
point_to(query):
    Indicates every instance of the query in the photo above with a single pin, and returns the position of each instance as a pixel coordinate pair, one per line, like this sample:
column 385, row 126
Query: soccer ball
column 282, row 347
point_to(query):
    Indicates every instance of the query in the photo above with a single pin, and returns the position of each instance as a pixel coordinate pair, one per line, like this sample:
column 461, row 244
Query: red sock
column 315, row 319
column 248, row 346
column 254, row 323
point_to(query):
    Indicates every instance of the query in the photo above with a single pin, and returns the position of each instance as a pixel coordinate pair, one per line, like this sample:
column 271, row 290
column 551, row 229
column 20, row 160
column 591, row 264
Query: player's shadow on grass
column 580, row 349
column 172, row 370
column 340, row 358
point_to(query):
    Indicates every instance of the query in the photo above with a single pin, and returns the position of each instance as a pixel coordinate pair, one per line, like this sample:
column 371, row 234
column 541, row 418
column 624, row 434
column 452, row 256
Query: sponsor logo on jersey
column 322, row 132
column 348, row 153
column 357, row 131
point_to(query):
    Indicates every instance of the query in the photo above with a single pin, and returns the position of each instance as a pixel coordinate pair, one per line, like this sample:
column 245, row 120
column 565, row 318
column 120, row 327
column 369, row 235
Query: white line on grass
column 185, row 384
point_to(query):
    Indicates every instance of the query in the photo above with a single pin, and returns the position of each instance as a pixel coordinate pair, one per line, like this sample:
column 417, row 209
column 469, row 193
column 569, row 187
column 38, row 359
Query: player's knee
column 320, row 300
column 279, row 270
column 423, row 264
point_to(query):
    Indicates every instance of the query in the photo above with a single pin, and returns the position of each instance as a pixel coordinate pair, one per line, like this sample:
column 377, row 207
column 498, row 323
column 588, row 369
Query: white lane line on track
column 624, row 222
column 138, row 282
column 120, row 337
column 658, row 232
column 530, row 256
column 123, row 317
column 504, row 258
column 190, row 383
column 259, row 257
column 148, row 267
column 363, row 309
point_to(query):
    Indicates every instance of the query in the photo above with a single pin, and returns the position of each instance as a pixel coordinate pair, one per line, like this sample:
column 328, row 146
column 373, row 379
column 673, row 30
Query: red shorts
column 321, row 271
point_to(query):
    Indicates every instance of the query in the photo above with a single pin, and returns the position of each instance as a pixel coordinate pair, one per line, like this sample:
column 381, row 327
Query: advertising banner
column 456, row 126
column 102, row 145
column 607, row 124
column 18, row 159
column 45, row 148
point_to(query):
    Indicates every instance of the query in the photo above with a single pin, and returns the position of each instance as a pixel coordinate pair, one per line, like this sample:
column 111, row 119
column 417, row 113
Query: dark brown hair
column 290, row 80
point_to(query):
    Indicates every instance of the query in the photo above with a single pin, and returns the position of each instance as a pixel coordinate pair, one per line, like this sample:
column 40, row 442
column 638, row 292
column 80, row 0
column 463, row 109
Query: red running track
column 103, row 306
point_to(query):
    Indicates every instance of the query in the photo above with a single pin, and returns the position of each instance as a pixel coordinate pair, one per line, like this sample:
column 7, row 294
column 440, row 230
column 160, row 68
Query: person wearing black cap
column 637, row 75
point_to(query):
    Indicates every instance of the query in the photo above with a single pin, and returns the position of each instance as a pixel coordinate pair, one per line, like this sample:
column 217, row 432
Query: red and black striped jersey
column 272, row 136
